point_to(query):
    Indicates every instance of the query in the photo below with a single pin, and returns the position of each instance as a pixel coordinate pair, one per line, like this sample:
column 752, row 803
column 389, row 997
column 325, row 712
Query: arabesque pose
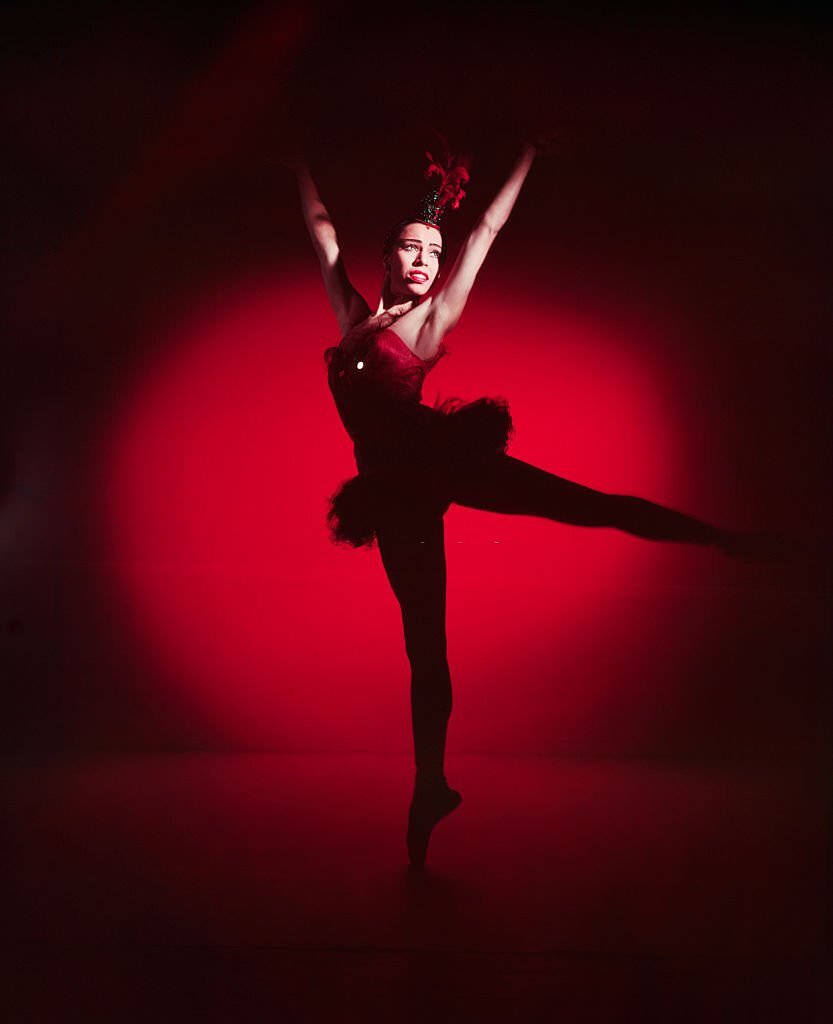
column 414, row 460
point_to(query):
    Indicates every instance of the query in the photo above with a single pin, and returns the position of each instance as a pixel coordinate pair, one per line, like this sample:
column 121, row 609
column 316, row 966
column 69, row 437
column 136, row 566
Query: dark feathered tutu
column 415, row 481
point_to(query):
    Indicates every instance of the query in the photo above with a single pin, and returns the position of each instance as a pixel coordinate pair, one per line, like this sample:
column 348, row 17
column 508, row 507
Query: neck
column 390, row 299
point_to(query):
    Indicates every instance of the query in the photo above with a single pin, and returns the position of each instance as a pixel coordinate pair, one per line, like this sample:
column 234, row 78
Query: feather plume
column 447, row 174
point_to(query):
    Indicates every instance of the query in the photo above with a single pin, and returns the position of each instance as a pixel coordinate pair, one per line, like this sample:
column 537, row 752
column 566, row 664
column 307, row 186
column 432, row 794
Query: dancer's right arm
column 349, row 307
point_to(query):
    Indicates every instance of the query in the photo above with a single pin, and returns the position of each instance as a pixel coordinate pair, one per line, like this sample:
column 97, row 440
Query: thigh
column 413, row 555
column 504, row 484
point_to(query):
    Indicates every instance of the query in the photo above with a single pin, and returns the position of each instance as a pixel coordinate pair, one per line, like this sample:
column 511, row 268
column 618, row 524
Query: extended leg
column 505, row 484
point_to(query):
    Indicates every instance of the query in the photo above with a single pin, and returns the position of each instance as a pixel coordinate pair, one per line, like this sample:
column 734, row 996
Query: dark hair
column 393, row 235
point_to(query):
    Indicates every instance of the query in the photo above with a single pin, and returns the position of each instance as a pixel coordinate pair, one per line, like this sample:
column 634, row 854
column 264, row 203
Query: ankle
column 429, row 780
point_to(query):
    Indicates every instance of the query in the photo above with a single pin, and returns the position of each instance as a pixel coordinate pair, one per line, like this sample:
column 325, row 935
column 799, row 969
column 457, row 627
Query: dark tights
column 413, row 554
column 414, row 560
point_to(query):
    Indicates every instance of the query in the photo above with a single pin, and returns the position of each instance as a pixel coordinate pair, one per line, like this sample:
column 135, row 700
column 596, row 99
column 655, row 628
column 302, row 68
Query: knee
column 431, row 690
column 427, row 654
column 622, row 510
column 424, row 629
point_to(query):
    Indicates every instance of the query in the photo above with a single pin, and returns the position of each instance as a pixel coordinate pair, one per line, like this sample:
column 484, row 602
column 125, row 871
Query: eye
column 435, row 253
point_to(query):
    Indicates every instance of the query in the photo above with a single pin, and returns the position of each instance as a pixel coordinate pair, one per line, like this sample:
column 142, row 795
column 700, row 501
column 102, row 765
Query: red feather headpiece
column 448, row 175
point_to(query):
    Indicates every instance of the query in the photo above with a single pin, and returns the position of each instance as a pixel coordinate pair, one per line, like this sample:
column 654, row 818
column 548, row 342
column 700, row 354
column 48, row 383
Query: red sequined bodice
column 376, row 381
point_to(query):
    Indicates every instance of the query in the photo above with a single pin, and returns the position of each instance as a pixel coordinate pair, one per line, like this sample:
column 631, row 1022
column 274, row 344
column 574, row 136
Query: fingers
column 545, row 142
column 401, row 308
column 291, row 159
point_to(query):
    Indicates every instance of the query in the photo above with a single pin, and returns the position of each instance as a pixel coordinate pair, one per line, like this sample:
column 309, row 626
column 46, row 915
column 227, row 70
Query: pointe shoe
column 428, row 807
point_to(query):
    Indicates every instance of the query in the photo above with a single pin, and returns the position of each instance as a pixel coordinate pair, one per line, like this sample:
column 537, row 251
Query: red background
column 653, row 311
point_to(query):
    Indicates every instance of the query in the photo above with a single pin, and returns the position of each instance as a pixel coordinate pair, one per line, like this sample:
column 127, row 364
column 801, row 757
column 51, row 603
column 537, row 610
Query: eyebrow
column 419, row 242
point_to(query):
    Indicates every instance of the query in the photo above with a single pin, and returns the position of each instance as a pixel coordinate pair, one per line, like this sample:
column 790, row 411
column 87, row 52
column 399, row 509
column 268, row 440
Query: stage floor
column 270, row 887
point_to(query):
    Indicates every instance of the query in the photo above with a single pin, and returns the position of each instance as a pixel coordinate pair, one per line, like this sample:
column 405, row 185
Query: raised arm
column 349, row 307
column 448, row 304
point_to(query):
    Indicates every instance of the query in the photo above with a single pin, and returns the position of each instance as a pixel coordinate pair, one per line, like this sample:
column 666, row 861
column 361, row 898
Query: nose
column 418, row 260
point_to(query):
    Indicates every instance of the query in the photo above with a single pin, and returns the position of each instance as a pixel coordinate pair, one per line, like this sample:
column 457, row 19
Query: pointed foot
column 756, row 547
column 428, row 807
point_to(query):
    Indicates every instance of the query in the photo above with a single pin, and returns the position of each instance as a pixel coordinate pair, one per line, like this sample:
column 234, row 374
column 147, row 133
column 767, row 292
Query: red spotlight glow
column 218, row 470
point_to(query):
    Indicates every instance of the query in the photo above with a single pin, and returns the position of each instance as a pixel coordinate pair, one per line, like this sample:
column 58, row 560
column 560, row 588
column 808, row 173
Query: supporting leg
column 414, row 560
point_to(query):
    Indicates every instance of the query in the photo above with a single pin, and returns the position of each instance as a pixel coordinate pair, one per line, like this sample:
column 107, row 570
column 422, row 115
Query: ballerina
column 414, row 460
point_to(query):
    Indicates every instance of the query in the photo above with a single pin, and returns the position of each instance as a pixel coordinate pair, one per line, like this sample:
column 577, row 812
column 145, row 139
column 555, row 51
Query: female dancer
column 414, row 460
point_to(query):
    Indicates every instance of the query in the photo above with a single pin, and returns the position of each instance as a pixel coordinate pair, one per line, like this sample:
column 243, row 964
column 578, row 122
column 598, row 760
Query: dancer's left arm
column 448, row 305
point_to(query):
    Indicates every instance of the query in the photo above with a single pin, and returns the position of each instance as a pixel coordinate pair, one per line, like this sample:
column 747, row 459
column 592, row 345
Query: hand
column 288, row 146
column 291, row 158
column 389, row 316
column 401, row 308
column 544, row 144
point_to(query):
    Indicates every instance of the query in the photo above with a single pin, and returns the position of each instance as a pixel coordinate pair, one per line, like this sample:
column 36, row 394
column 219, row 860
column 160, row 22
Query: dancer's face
column 414, row 260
